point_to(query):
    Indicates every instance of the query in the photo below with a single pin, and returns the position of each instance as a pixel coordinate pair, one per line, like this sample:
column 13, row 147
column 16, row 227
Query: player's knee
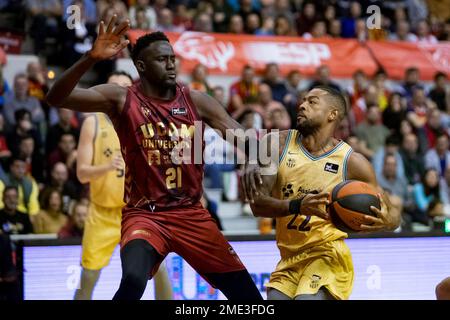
column 443, row 290
column 134, row 278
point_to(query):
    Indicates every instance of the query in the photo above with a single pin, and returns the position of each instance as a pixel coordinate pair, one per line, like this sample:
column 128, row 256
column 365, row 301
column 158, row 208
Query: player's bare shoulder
column 359, row 168
column 275, row 141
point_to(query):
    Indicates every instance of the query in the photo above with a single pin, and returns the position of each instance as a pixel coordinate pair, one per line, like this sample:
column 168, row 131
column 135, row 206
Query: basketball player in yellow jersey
column 315, row 262
column 100, row 164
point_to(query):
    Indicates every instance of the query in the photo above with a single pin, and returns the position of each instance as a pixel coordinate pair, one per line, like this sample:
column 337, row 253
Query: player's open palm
column 110, row 41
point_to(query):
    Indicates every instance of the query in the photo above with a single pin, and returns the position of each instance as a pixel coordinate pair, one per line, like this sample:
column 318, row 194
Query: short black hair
column 9, row 187
column 338, row 99
column 439, row 74
column 120, row 73
column 144, row 41
column 20, row 114
column 392, row 140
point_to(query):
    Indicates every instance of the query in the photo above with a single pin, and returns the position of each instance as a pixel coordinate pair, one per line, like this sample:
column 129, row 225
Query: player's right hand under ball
column 312, row 204
column 110, row 41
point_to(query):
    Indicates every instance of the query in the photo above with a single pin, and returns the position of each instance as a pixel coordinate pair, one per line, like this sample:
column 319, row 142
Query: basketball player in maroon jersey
column 163, row 211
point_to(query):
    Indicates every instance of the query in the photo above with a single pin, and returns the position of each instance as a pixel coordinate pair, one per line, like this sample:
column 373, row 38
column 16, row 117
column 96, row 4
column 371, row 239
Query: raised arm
column 108, row 98
column 87, row 172
column 388, row 218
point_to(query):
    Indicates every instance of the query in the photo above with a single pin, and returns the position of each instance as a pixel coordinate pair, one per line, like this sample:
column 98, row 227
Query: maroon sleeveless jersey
column 162, row 145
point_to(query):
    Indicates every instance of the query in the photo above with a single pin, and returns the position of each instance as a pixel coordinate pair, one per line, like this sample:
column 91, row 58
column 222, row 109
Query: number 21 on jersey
column 173, row 178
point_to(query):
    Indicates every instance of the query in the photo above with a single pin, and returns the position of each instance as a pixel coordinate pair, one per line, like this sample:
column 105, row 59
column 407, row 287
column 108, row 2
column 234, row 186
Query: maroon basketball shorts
column 189, row 231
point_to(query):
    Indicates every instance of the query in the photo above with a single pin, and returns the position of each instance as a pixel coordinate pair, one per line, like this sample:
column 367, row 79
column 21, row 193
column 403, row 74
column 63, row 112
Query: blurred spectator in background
column 247, row 7
column 439, row 157
column 335, row 28
column 165, row 22
column 322, row 78
column 243, row 91
column 33, row 159
column 394, row 113
column 51, row 218
column 306, row 18
column 20, row 99
column 221, row 16
column 59, row 179
column 267, row 27
column 203, row 23
column 117, row 6
column 395, row 188
column 28, row 190
column 183, row 19
column 5, row 153
column 391, row 146
column 4, row 88
column 283, row 27
column 418, row 108
column 65, row 153
column 236, row 25
column 353, row 142
column 267, row 106
column 390, row 182
column 427, row 196
column 199, row 79
column 142, row 14
column 293, row 80
column 65, row 125
column 423, row 33
column 358, row 87
column 439, row 93
column 413, row 161
column 75, row 224
column 433, row 127
column 411, row 80
column 402, row 32
column 13, row 221
column 23, row 128
column 349, row 21
column 252, row 23
column 444, row 187
column 383, row 93
column 45, row 21
column 277, row 85
column 371, row 133
column 319, row 30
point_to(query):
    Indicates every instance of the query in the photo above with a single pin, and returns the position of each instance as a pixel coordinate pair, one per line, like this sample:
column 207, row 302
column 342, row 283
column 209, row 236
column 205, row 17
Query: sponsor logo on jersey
column 180, row 111
column 331, row 167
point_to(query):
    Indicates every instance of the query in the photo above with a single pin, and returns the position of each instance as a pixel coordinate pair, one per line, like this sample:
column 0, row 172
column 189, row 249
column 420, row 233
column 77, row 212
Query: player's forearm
column 87, row 173
column 62, row 88
column 396, row 217
column 267, row 206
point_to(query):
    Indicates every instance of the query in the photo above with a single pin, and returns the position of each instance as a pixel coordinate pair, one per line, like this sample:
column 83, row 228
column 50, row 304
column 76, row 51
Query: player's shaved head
column 335, row 99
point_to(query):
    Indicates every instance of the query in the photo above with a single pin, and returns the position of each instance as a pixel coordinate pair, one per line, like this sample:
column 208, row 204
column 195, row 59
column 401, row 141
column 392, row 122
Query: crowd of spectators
column 401, row 127
column 50, row 25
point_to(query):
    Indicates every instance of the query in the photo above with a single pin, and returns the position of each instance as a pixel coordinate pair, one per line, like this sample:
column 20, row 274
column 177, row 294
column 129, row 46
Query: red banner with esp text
column 227, row 54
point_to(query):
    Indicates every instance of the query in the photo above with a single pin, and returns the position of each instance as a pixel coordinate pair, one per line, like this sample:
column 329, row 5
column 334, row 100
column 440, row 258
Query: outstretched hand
column 110, row 41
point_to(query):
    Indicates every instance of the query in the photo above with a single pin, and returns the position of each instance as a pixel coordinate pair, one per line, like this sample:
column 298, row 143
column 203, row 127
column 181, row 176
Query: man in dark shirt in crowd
column 439, row 92
column 13, row 221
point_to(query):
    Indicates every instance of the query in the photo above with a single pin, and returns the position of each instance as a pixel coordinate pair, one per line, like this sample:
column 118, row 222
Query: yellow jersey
column 300, row 173
column 106, row 191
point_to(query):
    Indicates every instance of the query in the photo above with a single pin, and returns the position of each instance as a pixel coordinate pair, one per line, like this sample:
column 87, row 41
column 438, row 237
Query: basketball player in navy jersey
column 163, row 211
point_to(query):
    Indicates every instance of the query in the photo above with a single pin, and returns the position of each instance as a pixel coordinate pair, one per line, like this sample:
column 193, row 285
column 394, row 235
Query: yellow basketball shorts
column 328, row 265
column 101, row 236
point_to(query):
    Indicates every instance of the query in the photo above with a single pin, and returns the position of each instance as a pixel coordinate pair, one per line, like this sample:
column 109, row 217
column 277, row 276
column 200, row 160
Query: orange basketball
column 349, row 201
